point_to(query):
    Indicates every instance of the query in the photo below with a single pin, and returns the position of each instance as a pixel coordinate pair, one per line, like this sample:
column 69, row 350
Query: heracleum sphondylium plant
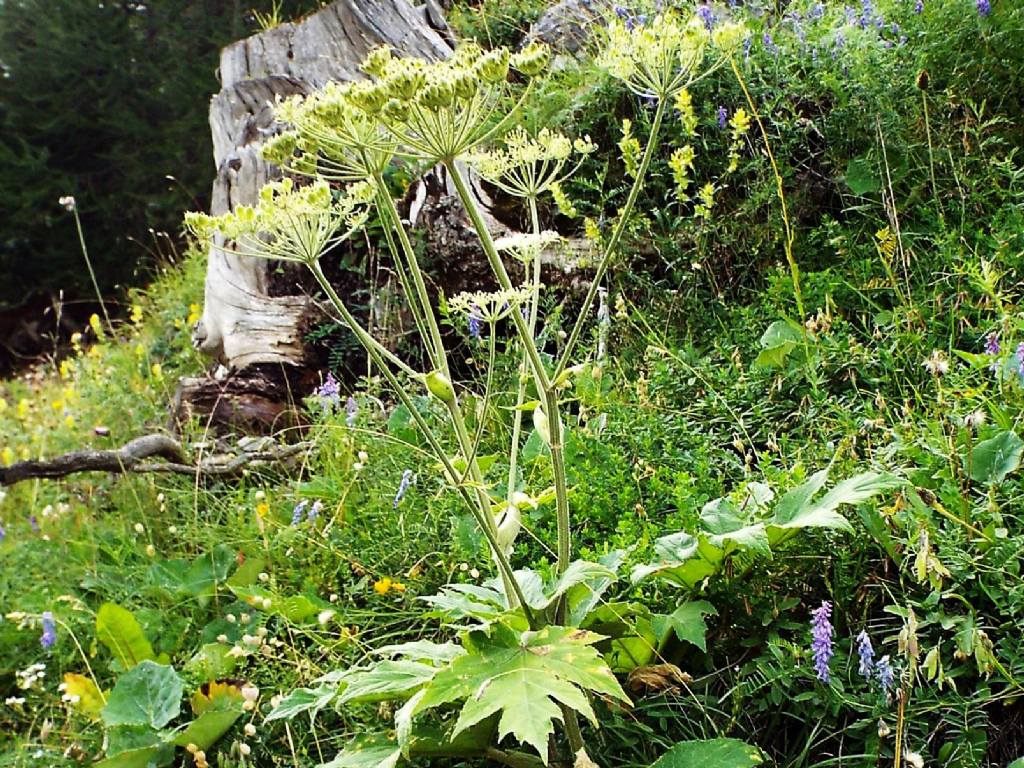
column 463, row 112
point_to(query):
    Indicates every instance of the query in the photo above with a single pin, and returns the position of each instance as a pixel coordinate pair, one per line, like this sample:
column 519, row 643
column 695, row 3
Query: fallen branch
column 132, row 456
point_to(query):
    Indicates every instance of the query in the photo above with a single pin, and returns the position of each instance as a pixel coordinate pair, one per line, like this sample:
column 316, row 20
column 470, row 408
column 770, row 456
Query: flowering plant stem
column 480, row 512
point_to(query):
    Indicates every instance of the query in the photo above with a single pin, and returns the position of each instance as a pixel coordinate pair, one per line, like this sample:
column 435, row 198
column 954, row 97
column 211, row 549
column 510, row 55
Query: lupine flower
column 329, row 392
column 706, row 15
column 984, row 8
column 314, row 511
column 821, row 644
column 769, row 44
column 747, row 45
column 884, row 673
column 817, row 12
column 723, row 117
column 32, row 521
column 919, row 7
column 866, row 654
column 475, row 323
column 351, row 411
column 299, row 511
column 992, row 345
column 49, row 636
column 403, row 486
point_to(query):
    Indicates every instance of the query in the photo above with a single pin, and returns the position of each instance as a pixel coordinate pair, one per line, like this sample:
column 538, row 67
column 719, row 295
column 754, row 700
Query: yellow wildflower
column 382, row 586
column 262, row 509
column 94, row 323
column 69, row 420
column 57, row 405
column 194, row 313
column 140, row 351
column 7, row 456
column 136, row 314
column 23, row 406
column 157, row 371
column 3, row 405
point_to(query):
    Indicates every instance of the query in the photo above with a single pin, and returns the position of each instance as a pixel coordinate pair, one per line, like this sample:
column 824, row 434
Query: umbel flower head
column 290, row 222
column 435, row 111
column 528, row 166
column 660, row 58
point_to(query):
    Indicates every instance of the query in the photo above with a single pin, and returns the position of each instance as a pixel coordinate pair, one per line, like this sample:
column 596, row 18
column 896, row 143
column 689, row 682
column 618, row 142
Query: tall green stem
column 613, row 241
column 483, row 516
column 88, row 266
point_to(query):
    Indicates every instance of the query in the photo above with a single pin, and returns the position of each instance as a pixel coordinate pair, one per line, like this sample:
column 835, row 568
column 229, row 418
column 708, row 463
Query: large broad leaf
column 149, row 694
column 373, row 751
column 710, row 753
column 683, row 559
column 148, row 757
column 993, row 459
column 422, row 650
column 584, row 597
column 524, row 676
column 778, row 342
column 798, row 509
column 119, row 630
column 862, row 176
column 687, row 621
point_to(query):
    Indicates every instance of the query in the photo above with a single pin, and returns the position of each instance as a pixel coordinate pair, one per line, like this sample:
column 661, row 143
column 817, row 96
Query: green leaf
column 797, row 510
column 148, row 757
column 710, row 753
column 861, row 176
column 683, row 559
column 119, row 630
column 423, row 650
column 304, row 700
column 373, row 751
column 386, row 680
column 211, row 661
column 993, row 459
column 524, row 676
column 778, row 342
column 207, row 729
column 583, row 597
column 148, row 694
column 687, row 621
column 128, row 738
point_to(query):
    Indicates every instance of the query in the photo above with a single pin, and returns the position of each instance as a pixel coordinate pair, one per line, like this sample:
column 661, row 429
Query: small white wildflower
column 139, row 528
column 975, row 419
column 249, row 729
column 245, row 618
column 230, row 618
column 222, row 638
column 67, row 202
column 363, row 456
column 325, row 616
column 914, row 760
column 264, row 576
column 937, row 364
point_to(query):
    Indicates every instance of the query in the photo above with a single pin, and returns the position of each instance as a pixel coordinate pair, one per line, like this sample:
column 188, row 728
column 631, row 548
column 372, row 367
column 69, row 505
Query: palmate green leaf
column 119, row 630
column 687, row 621
column 993, row 459
column 149, row 694
column 710, row 753
column 523, row 676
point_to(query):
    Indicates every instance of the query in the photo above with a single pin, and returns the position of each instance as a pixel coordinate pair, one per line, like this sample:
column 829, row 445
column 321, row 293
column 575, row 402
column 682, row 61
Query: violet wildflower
column 299, row 511
column 1020, row 360
column 984, row 8
column 723, row 117
column 747, row 45
column 403, row 486
column 475, row 323
column 866, row 654
column 706, row 15
column 314, row 511
column 329, row 392
column 884, row 673
column 919, row 7
column 769, row 44
column 821, row 644
column 49, row 636
column 351, row 411
column 34, row 523
column 817, row 12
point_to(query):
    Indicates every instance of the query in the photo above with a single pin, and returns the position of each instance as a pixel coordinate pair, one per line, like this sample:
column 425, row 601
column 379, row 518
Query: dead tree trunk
column 244, row 322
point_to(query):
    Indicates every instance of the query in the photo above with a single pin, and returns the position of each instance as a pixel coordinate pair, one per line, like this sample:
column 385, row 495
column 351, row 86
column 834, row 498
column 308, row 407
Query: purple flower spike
column 49, row 636
column 403, row 486
column 769, row 44
column 984, row 8
column 34, row 523
column 884, row 673
column 821, row 644
column 475, row 324
column 351, row 411
column 723, row 116
column 866, row 655
column 329, row 392
column 299, row 511
column 919, row 7
column 706, row 15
